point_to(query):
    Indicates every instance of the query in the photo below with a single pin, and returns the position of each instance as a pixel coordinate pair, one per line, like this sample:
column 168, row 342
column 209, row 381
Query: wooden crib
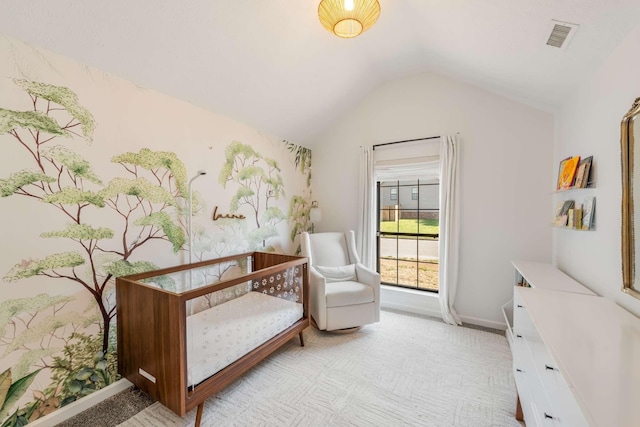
column 186, row 332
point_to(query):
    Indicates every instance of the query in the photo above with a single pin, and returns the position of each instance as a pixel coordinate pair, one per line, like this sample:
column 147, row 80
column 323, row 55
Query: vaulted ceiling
column 271, row 64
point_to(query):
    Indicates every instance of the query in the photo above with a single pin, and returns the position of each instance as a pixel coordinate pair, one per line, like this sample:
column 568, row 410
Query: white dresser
column 576, row 356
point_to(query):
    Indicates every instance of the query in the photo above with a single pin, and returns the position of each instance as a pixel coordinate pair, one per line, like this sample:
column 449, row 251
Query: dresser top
column 546, row 276
column 596, row 345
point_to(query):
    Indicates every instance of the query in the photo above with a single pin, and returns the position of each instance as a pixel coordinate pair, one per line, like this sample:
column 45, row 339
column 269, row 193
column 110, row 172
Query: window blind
column 408, row 161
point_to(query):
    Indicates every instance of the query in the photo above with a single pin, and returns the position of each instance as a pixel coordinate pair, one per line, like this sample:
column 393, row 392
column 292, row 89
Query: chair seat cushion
column 348, row 293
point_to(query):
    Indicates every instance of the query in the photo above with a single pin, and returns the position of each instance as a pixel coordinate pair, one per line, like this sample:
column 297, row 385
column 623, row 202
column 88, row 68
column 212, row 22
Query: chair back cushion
column 340, row 273
column 329, row 249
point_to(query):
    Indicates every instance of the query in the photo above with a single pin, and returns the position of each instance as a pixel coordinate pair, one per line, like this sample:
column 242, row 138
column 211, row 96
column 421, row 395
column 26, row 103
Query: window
column 408, row 234
column 407, row 176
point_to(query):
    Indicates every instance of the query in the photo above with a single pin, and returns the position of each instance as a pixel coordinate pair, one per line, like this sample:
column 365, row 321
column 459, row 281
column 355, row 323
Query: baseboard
column 425, row 303
column 411, row 301
column 83, row 404
column 413, row 310
column 484, row 322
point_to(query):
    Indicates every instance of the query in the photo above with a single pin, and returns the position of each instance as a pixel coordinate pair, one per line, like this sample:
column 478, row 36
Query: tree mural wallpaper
column 258, row 182
column 90, row 201
column 300, row 205
column 147, row 202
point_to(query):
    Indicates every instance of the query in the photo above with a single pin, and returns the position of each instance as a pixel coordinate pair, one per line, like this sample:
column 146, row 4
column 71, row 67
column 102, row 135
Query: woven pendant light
column 348, row 18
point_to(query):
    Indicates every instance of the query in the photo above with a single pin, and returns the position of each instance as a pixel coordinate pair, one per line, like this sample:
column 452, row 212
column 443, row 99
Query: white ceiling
column 271, row 64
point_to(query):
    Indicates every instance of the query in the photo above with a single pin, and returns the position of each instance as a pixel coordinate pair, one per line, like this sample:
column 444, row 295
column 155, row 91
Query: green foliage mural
column 302, row 159
column 299, row 209
column 10, row 392
column 146, row 203
column 37, row 328
column 300, row 206
column 258, row 183
column 83, row 368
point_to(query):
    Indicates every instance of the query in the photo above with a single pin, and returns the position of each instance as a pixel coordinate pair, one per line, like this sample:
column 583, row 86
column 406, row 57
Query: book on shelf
column 588, row 208
column 570, row 218
column 577, row 217
column 567, row 172
column 582, row 173
column 523, row 283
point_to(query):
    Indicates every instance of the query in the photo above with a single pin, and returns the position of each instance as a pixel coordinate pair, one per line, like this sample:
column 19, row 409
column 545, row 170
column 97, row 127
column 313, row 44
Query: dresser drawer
column 540, row 418
column 522, row 324
column 524, row 330
column 544, row 410
column 564, row 404
column 523, row 385
column 522, row 360
column 525, row 376
column 518, row 306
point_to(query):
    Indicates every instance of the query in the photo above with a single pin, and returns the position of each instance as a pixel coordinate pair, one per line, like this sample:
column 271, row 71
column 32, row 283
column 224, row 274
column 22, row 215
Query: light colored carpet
column 404, row 370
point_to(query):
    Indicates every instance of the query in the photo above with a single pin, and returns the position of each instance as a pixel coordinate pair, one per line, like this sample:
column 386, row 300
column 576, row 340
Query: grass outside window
column 422, row 226
column 405, row 273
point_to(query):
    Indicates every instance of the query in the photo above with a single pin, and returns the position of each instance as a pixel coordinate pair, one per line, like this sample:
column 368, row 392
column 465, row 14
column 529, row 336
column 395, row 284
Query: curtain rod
column 406, row 140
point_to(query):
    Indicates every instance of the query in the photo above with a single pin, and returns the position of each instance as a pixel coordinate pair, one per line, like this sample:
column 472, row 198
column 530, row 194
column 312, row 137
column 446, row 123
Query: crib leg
column 301, row 339
column 199, row 414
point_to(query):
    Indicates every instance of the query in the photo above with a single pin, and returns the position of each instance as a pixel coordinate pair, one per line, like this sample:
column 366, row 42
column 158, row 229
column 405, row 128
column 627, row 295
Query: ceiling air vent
column 561, row 34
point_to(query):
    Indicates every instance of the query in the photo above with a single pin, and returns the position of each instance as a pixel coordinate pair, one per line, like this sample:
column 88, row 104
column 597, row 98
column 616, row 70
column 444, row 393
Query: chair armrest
column 371, row 278
column 318, row 298
column 367, row 276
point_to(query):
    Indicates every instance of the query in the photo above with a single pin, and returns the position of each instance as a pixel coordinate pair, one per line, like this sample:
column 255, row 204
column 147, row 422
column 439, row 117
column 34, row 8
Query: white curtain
column 449, row 226
column 366, row 208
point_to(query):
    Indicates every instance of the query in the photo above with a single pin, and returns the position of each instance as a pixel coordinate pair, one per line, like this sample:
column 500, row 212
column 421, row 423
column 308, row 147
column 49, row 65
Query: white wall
column 507, row 151
column 590, row 125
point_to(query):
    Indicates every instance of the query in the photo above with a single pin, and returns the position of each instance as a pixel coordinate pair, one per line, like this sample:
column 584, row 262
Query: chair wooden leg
column 519, row 414
column 313, row 322
column 301, row 339
column 199, row 414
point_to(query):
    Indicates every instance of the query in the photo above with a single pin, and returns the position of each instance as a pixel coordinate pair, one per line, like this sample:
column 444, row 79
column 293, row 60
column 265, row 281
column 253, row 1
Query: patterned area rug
column 404, row 370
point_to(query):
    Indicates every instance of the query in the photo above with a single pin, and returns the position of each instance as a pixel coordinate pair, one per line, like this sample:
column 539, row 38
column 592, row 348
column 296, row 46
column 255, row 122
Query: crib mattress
column 220, row 335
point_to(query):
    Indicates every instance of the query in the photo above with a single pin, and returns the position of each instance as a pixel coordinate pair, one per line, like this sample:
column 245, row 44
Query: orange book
column 568, row 172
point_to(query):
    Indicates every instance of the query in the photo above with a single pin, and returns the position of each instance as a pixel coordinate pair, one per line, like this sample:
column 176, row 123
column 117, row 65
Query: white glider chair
column 343, row 292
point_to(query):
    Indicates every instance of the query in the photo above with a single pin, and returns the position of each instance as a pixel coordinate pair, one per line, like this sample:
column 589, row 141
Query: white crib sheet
column 219, row 336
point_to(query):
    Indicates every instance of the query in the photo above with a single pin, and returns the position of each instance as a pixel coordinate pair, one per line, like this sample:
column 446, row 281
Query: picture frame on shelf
column 558, row 210
column 582, row 173
column 568, row 204
column 561, row 221
column 562, row 163
column 568, row 172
